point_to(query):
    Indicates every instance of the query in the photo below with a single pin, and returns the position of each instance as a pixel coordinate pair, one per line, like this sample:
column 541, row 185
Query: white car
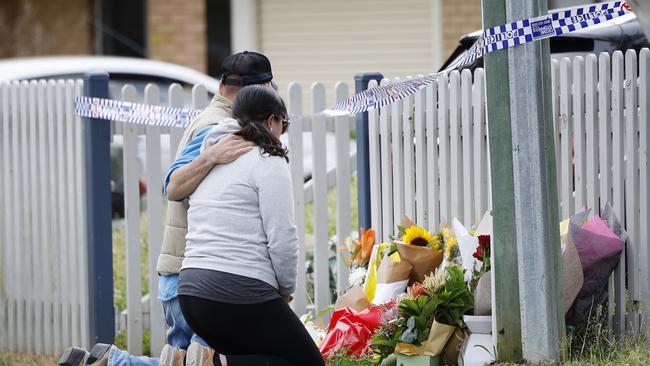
column 122, row 70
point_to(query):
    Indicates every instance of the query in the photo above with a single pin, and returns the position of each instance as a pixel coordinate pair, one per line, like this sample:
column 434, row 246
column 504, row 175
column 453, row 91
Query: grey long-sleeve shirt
column 241, row 221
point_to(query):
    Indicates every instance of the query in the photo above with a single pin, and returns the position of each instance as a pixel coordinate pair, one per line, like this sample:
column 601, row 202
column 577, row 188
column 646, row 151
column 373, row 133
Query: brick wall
column 459, row 18
column 177, row 32
column 51, row 27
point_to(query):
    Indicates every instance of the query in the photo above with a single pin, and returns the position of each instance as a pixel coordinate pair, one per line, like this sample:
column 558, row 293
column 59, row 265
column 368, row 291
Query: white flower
column 358, row 277
column 316, row 333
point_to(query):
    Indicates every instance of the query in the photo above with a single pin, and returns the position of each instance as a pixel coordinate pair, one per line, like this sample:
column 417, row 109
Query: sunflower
column 451, row 248
column 416, row 235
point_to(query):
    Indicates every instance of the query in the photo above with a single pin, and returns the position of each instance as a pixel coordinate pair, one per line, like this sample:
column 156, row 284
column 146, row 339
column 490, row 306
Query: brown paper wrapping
column 449, row 355
column 390, row 271
column 573, row 275
column 424, row 260
column 354, row 299
column 406, row 222
column 438, row 337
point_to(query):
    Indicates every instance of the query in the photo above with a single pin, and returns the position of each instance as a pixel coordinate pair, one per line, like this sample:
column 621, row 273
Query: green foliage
column 455, row 298
column 341, row 358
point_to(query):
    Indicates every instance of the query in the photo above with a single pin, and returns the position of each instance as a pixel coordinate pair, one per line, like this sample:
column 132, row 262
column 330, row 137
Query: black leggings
column 266, row 334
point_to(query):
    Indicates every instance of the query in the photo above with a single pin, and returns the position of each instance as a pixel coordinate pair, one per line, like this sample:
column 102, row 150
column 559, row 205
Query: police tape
column 144, row 114
column 493, row 39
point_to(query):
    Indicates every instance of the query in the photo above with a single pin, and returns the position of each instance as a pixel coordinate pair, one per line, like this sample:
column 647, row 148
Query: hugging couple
column 228, row 261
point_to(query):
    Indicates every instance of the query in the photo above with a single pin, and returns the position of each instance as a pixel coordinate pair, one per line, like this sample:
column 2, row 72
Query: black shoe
column 73, row 356
column 98, row 354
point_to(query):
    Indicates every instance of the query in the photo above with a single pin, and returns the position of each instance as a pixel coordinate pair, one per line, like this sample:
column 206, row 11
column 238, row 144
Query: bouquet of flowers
column 428, row 315
column 356, row 253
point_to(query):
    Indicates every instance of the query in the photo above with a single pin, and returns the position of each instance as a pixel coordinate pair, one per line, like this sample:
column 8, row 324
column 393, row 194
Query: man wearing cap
column 185, row 174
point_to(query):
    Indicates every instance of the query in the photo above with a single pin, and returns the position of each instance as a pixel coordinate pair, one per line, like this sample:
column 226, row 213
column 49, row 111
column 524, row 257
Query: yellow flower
column 451, row 243
column 416, row 235
column 472, row 232
column 446, row 231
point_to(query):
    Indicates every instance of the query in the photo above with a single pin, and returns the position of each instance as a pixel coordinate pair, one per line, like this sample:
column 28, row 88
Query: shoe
column 98, row 355
column 172, row 356
column 73, row 356
column 198, row 355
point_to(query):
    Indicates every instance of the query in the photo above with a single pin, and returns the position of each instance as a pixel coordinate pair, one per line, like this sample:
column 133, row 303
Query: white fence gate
column 428, row 160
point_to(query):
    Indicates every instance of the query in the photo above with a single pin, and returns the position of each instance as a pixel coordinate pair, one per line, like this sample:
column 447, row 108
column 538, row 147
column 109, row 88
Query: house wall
column 177, row 32
column 52, row 27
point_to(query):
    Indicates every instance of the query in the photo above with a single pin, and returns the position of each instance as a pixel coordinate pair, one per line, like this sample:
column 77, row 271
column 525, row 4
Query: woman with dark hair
column 239, row 269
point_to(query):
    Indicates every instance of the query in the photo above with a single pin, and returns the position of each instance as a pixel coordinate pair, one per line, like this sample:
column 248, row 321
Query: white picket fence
column 43, row 286
column 428, row 160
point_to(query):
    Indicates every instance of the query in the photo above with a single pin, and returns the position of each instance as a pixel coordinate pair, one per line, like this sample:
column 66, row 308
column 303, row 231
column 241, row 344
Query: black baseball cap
column 246, row 68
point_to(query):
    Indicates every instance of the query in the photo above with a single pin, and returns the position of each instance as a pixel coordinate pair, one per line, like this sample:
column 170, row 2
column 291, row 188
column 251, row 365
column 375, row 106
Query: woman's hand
column 287, row 298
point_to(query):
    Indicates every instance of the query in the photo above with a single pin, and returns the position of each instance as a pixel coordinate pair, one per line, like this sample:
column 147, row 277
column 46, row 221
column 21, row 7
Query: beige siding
column 310, row 40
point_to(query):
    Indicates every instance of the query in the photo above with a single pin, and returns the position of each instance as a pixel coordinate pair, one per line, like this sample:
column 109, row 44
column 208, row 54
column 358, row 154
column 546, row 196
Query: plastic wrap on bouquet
column 370, row 285
column 353, row 330
column 599, row 244
column 573, row 277
column 439, row 335
column 483, row 295
column 424, row 260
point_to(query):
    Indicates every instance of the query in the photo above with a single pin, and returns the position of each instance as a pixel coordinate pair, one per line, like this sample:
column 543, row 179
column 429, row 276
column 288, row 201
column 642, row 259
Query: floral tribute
column 407, row 296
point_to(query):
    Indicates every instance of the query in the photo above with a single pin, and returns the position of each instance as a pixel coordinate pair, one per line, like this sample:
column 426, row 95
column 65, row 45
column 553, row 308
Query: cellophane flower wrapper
column 353, row 330
column 599, row 244
column 370, row 285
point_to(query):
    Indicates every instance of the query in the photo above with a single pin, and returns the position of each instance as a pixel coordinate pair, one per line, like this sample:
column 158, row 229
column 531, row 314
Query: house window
column 120, row 26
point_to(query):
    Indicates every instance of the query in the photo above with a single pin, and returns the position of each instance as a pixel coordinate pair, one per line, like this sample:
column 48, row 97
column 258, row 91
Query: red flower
column 483, row 248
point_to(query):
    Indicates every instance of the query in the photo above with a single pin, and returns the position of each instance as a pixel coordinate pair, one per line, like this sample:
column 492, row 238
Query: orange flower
column 418, row 289
column 363, row 246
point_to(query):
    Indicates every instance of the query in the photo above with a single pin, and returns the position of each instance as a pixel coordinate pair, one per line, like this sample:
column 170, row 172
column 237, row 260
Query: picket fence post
column 98, row 211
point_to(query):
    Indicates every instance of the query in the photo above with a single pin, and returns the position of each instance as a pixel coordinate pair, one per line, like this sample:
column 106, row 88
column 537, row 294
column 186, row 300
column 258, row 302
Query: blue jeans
column 179, row 335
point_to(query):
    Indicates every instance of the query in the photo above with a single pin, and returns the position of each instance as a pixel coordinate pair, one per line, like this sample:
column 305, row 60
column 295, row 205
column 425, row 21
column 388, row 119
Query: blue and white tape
column 137, row 113
column 493, row 39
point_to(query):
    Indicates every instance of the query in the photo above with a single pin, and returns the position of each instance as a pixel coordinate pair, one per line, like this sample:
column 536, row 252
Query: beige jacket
column 173, row 245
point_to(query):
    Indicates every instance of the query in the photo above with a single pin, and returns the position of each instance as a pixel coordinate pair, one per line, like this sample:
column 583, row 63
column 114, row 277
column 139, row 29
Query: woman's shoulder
column 266, row 163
